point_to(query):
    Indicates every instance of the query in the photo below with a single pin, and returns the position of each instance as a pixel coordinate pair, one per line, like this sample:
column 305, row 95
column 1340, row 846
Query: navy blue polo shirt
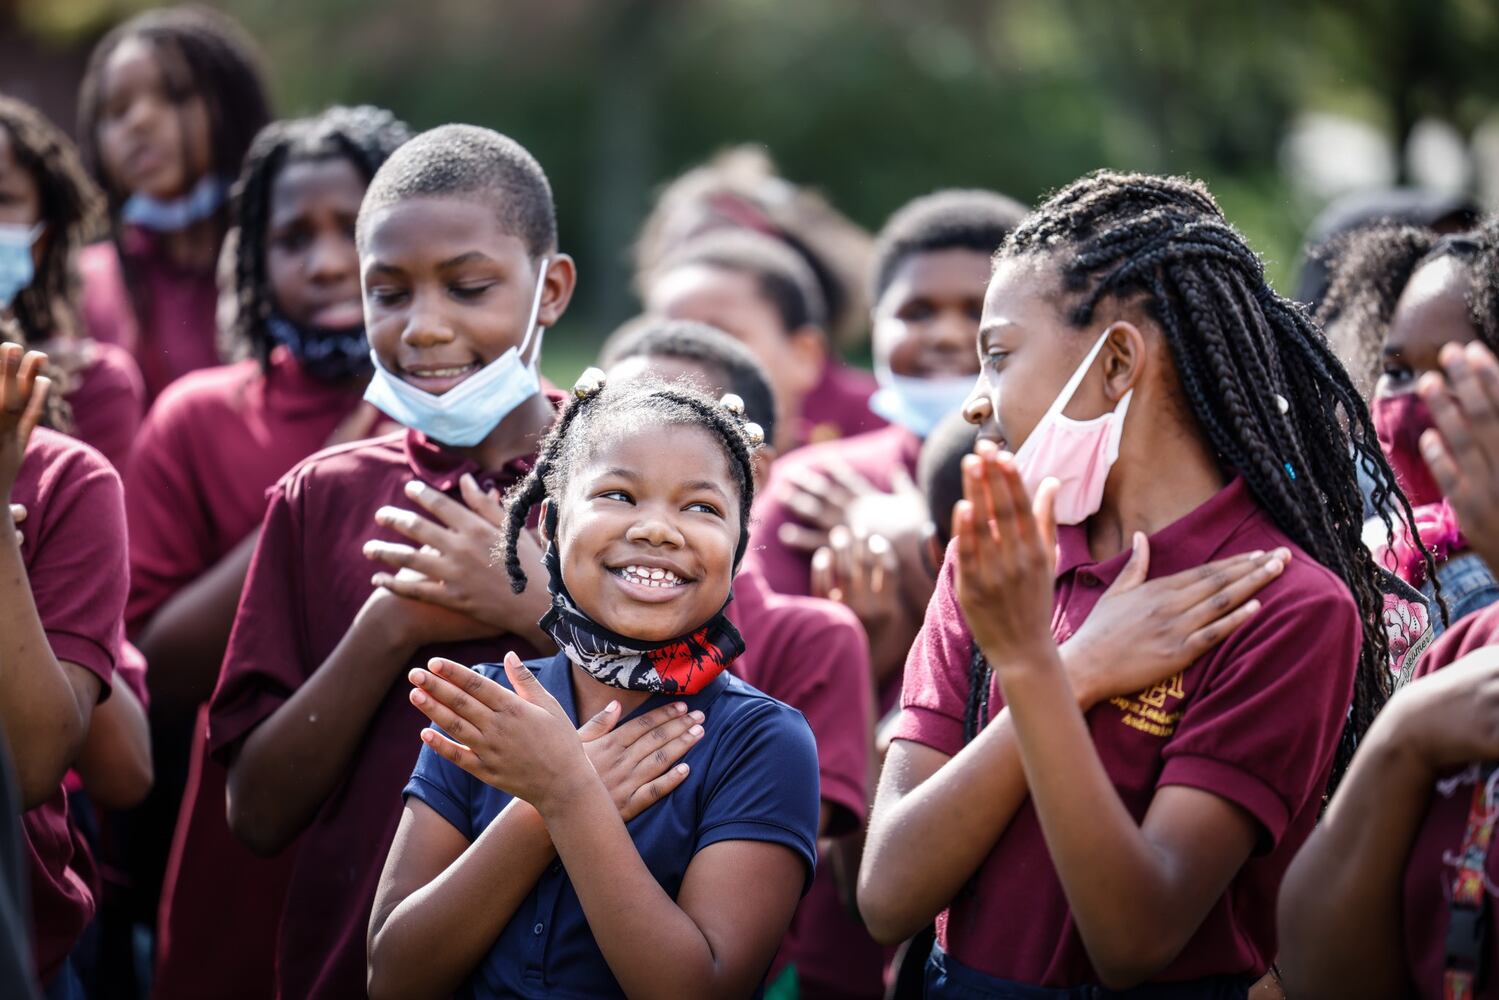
column 753, row 777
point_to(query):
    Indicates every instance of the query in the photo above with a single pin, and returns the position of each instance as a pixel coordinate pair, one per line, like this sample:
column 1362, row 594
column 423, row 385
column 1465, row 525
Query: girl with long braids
column 531, row 856
column 1146, row 401
column 166, row 111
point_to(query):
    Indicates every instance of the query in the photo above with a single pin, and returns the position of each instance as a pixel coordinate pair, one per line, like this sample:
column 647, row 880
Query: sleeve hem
column 88, row 653
column 845, row 794
column 1233, row 783
column 930, row 728
column 774, row 833
column 440, row 801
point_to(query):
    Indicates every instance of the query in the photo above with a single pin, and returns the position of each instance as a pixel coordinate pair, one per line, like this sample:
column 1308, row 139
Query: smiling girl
column 517, row 867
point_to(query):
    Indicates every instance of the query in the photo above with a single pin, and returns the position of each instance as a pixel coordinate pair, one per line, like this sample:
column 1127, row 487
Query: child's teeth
column 658, row 574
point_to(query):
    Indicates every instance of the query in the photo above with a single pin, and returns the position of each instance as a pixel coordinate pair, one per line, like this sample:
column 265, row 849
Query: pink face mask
column 1076, row 453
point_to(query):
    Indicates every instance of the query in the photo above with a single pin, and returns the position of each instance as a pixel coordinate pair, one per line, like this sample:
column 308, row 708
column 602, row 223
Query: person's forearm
column 431, row 941
column 185, row 639
column 291, row 762
column 1340, row 903
column 966, row 806
column 40, row 714
column 115, row 763
column 1118, row 886
column 625, row 905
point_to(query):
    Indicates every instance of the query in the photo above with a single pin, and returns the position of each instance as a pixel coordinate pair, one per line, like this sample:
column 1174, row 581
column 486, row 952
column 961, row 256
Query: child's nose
column 426, row 325
column 654, row 530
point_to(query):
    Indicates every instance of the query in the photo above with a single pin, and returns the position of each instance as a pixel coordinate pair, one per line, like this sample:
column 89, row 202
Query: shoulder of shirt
column 202, row 390
column 748, row 705
column 66, row 458
column 1477, row 630
column 344, row 459
column 99, row 258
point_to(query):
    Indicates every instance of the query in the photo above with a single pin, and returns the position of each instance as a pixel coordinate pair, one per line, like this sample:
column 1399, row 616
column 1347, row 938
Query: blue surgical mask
column 465, row 414
column 919, row 404
column 176, row 214
column 17, row 269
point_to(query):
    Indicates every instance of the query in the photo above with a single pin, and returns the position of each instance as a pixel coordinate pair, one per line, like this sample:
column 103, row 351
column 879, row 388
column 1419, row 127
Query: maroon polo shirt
column 215, row 441
column 838, row 406
column 211, row 446
column 1430, row 868
column 1256, row 722
column 108, row 399
column 74, row 554
column 307, row 581
column 177, row 331
column 812, row 655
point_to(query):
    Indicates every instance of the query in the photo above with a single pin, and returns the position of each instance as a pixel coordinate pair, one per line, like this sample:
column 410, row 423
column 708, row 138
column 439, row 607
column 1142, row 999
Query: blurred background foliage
column 875, row 101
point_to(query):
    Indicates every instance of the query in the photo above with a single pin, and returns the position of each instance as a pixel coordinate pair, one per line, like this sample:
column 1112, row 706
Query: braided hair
column 598, row 409
column 365, row 136
column 1239, row 350
column 71, row 208
column 1367, row 270
column 201, row 53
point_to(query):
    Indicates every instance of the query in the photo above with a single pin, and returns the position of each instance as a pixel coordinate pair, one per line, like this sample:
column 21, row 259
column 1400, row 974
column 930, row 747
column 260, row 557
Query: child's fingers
column 1442, row 463
column 654, row 791
column 1451, row 420
column 845, row 570
column 821, row 485
column 527, row 686
column 1486, row 369
column 451, row 751
column 32, row 365
column 454, row 680
column 665, row 745
column 965, row 532
column 812, row 508
column 644, row 725
column 1200, row 582
column 1136, row 569
column 848, row 478
column 1044, row 514
column 823, row 582
column 801, row 538
column 41, row 386
column 1233, row 595
column 425, row 560
column 415, row 589
column 447, row 510
column 882, row 562
column 600, row 725
column 415, row 527
column 1205, row 638
column 976, row 491
column 486, row 505
column 901, row 481
column 17, row 512
column 449, row 721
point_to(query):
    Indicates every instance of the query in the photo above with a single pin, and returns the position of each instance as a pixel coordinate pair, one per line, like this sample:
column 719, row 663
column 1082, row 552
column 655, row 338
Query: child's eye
column 705, row 508
column 472, row 291
column 916, row 312
column 291, row 240
column 386, row 296
column 992, row 357
column 619, row 495
column 1396, row 372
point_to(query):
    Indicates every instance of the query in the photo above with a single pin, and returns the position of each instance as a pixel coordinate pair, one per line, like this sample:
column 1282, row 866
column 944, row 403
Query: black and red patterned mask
column 680, row 666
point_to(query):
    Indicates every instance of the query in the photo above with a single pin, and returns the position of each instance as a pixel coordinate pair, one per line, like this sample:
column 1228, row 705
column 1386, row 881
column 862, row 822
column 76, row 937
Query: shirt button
column 537, row 930
column 1087, row 579
column 556, row 868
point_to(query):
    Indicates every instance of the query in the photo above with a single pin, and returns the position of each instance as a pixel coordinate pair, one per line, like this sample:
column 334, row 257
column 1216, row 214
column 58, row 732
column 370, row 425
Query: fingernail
column 428, row 736
column 1252, row 606
column 418, row 698
column 1272, row 566
column 699, row 716
column 417, row 676
column 679, row 707
column 681, row 768
column 414, row 488
column 613, row 706
column 1256, row 553
column 696, row 731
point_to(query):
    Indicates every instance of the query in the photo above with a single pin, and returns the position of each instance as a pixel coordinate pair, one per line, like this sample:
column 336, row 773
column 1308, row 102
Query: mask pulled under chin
column 680, row 666
column 1078, row 454
column 465, row 414
column 325, row 353
column 173, row 215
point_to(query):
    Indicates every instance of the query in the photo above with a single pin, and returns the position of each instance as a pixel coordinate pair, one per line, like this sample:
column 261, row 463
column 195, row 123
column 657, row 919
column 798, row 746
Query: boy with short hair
column 461, row 274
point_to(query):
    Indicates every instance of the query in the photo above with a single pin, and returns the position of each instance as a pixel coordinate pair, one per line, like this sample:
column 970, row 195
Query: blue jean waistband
column 949, row 979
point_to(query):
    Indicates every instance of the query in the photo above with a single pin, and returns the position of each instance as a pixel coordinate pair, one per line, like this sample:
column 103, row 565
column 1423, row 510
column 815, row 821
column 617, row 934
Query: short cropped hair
column 469, row 160
column 961, row 219
column 781, row 275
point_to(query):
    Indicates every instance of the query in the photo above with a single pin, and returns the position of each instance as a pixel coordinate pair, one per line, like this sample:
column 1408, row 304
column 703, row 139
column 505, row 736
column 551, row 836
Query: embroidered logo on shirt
column 1148, row 711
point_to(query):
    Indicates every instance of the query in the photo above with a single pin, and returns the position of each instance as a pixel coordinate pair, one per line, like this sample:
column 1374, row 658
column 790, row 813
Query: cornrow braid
column 574, row 435
column 1269, row 394
column 72, row 209
column 365, row 136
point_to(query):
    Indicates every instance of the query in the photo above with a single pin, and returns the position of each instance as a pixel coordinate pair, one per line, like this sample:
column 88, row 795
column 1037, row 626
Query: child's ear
column 1124, row 358
column 561, row 279
column 765, row 456
column 809, row 348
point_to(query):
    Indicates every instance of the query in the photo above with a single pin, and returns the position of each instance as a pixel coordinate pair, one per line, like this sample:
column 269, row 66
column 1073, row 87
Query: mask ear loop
column 533, row 331
column 1070, row 389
